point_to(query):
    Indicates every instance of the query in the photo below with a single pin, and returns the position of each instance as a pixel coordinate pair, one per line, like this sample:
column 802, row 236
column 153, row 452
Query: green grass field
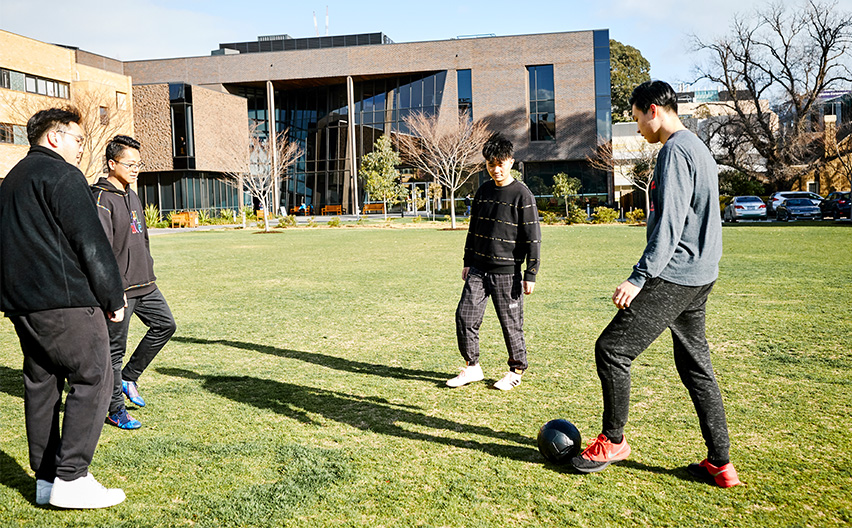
column 305, row 387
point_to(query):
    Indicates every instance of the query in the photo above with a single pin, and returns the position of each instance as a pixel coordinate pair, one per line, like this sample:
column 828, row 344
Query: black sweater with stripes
column 504, row 230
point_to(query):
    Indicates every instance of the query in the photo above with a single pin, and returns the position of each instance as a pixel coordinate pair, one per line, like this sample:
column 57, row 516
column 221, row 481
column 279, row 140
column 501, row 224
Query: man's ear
column 52, row 138
column 653, row 110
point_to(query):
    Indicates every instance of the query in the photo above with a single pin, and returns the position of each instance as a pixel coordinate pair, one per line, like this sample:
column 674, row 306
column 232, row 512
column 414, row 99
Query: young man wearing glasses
column 123, row 219
column 59, row 283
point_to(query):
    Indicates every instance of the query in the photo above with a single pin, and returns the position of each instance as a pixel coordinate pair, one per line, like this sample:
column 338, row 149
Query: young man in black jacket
column 123, row 219
column 59, row 283
column 504, row 233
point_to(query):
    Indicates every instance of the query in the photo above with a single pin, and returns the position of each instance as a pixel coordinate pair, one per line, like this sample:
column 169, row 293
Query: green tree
column 378, row 169
column 628, row 69
column 567, row 188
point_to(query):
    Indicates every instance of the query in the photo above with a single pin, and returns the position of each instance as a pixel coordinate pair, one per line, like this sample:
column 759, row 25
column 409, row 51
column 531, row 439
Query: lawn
column 305, row 387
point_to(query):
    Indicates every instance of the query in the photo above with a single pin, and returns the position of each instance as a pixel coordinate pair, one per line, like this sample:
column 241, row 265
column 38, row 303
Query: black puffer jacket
column 123, row 219
column 53, row 251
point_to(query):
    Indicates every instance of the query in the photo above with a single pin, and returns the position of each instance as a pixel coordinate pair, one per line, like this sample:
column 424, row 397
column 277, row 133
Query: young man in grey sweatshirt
column 667, row 289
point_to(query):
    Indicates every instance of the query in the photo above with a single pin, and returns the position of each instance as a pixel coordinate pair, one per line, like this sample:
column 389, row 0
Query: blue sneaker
column 122, row 420
column 130, row 390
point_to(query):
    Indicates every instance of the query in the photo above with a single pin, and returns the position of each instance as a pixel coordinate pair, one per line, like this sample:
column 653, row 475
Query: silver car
column 745, row 208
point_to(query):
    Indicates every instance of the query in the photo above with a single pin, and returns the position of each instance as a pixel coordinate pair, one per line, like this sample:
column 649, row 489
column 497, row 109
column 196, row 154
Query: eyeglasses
column 78, row 138
column 132, row 166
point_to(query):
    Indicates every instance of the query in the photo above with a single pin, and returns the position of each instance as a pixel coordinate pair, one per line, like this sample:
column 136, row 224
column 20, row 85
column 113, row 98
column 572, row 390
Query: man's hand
column 529, row 286
column 116, row 316
column 624, row 294
column 465, row 271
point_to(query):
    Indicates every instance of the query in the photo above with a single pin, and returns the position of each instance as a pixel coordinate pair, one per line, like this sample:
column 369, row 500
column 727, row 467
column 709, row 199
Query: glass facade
column 318, row 119
column 542, row 103
column 187, row 190
column 603, row 89
column 287, row 43
column 183, row 142
column 465, row 91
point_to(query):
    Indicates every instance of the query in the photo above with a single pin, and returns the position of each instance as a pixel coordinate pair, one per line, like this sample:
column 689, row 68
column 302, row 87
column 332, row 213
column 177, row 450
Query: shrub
column 604, row 215
column 152, row 215
column 416, row 219
column 576, row 215
column 227, row 214
column 549, row 218
column 333, row 222
column 636, row 216
column 311, row 222
column 203, row 217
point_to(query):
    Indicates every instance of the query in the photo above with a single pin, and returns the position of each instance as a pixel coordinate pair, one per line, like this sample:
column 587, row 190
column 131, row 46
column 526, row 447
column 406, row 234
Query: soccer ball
column 559, row 441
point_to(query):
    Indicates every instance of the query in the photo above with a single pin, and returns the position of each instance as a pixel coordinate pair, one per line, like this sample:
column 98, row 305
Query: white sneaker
column 509, row 381
column 467, row 375
column 84, row 492
column 43, row 489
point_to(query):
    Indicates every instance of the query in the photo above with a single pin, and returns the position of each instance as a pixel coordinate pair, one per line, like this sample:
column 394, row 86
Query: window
column 7, row 133
column 5, row 79
column 48, row 87
column 465, row 89
column 104, row 115
column 542, row 103
column 121, row 100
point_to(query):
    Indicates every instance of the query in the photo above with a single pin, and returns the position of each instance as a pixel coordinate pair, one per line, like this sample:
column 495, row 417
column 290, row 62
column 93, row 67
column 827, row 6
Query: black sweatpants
column 659, row 305
column 58, row 345
column 507, row 294
column 154, row 313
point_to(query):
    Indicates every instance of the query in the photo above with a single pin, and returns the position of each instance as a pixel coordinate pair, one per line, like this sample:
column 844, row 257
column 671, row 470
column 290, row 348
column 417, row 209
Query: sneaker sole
column 463, row 384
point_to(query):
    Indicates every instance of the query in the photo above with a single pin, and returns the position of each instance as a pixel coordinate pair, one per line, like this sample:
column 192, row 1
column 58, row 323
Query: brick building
column 550, row 93
column 35, row 75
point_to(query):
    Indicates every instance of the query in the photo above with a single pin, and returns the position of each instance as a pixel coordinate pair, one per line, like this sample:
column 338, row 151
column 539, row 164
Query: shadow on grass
column 368, row 414
column 679, row 472
column 324, row 360
column 12, row 381
column 13, row 476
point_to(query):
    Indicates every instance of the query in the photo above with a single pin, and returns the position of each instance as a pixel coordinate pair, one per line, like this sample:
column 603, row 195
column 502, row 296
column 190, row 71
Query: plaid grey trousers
column 507, row 294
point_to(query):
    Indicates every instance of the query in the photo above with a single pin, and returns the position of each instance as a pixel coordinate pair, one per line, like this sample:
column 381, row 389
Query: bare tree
column 636, row 165
column 786, row 55
column 101, row 119
column 264, row 168
column 449, row 150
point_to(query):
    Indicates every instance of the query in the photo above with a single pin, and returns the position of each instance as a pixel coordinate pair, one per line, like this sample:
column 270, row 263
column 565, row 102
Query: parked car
column 744, row 207
column 794, row 208
column 836, row 205
column 776, row 199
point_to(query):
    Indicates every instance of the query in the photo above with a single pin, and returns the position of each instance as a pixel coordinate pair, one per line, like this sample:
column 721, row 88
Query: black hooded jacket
column 123, row 219
column 53, row 252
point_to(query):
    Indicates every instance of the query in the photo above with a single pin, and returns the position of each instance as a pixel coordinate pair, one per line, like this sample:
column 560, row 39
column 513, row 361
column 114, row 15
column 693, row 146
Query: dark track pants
column 58, row 345
column 660, row 305
column 507, row 294
column 154, row 313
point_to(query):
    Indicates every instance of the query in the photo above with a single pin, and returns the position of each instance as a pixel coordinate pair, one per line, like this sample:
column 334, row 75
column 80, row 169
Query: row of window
column 24, row 82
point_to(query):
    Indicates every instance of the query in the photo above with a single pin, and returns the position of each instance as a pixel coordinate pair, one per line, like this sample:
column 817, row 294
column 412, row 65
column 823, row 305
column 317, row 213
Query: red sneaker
column 724, row 476
column 601, row 453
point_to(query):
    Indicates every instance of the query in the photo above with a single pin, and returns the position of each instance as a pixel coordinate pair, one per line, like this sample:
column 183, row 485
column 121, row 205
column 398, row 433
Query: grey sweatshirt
column 684, row 225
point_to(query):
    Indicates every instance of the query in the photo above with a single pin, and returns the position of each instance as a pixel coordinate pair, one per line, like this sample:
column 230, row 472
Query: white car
column 745, row 207
column 776, row 199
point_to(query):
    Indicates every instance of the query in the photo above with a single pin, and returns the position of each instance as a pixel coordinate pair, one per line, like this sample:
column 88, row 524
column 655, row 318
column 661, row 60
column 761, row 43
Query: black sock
column 615, row 440
column 719, row 463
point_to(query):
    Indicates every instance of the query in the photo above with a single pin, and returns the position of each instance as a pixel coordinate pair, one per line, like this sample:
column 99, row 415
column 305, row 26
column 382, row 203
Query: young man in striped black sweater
column 503, row 234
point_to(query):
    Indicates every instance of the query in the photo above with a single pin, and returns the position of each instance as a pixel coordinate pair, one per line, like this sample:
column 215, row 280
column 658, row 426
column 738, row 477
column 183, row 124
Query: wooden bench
column 185, row 219
column 297, row 210
column 373, row 208
column 328, row 209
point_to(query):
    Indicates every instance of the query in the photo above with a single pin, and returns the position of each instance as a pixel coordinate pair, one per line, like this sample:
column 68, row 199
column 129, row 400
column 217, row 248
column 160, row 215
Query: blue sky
column 147, row 29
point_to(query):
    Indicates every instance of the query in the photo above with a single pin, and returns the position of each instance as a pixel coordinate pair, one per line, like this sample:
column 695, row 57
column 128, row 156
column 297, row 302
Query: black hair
column 117, row 145
column 498, row 148
column 44, row 121
column 658, row 93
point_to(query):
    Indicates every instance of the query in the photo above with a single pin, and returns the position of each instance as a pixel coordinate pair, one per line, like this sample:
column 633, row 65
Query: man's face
column 648, row 123
column 126, row 167
column 500, row 170
column 69, row 140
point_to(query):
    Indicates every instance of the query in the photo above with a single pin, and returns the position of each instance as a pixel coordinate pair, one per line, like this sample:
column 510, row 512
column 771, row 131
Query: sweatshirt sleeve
column 105, row 215
column 76, row 213
column 531, row 233
column 674, row 190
